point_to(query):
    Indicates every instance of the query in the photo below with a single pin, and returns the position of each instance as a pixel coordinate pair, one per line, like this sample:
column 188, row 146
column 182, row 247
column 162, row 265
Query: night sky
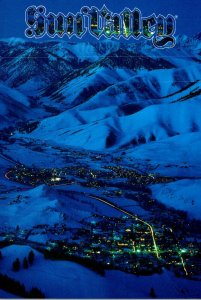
column 188, row 11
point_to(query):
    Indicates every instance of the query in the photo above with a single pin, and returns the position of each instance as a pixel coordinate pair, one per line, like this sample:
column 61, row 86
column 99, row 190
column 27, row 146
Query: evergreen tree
column 25, row 263
column 152, row 293
column 36, row 293
column 16, row 265
column 12, row 286
column 31, row 257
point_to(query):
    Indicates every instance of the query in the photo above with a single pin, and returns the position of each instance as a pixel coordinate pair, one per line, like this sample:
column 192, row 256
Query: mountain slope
column 156, row 122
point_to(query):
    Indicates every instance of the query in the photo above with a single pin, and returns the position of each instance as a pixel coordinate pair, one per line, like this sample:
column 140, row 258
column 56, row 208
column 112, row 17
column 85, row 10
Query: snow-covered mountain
column 122, row 95
column 101, row 90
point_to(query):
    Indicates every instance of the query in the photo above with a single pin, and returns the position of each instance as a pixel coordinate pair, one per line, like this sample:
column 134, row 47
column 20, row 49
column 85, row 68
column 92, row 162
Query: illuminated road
column 140, row 220
column 130, row 215
column 184, row 267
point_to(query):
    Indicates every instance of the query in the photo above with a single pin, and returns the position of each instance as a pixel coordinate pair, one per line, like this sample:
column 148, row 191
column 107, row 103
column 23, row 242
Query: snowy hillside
column 157, row 122
column 78, row 282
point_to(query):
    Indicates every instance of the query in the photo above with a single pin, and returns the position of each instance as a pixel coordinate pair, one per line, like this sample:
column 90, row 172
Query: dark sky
column 12, row 12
